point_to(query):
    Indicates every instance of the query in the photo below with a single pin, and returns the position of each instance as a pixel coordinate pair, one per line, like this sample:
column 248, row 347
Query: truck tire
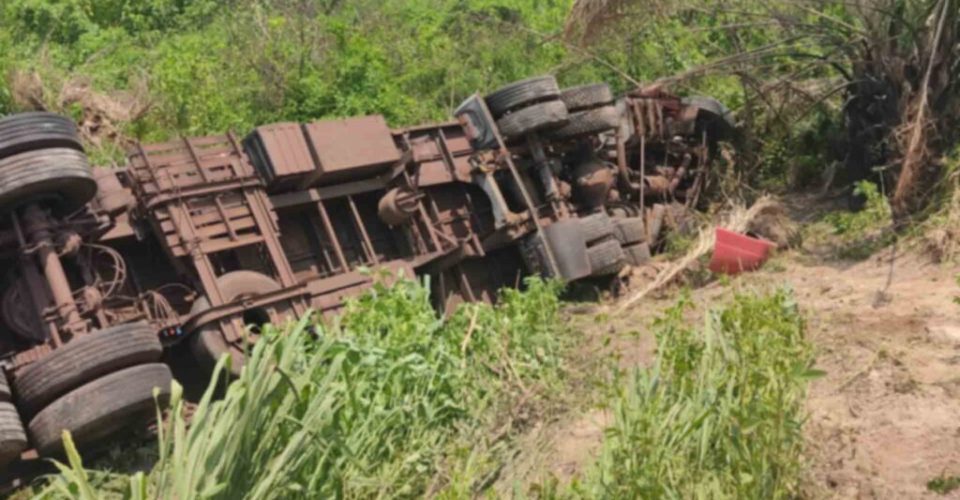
column 536, row 118
column 589, row 122
column 85, row 359
column 37, row 130
column 596, row 226
column 58, row 175
column 520, row 93
column 629, row 230
column 5, row 394
column 94, row 411
column 637, row 254
column 13, row 439
column 208, row 344
column 713, row 118
column 586, row 96
column 606, row 258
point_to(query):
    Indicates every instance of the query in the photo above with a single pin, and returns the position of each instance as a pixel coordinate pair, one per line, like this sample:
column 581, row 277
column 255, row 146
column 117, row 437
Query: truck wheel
column 94, row 411
column 516, row 94
column 536, row 118
column 596, row 227
column 84, row 359
column 13, row 439
column 637, row 254
column 5, row 394
column 58, row 175
column 606, row 258
column 713, row 118
column 37, row 130
column 208, row 344
column 586, row 96
column 589, row 122
column 629, row 230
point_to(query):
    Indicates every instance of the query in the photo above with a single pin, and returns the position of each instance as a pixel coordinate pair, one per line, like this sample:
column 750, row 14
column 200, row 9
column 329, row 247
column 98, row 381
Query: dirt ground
column 883, row 421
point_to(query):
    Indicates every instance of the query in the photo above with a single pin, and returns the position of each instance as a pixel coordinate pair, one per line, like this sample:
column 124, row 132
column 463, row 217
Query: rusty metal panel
column 281, row 155
column 351, row 148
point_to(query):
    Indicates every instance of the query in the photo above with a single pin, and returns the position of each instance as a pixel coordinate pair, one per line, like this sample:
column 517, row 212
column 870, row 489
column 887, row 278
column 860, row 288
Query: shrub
column 718, row 415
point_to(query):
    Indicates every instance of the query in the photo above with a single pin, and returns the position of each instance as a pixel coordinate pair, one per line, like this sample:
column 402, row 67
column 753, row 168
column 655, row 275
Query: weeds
column 386, row 402
column 943, row 484
column 939, row 232
column 857, row 235
column 719, row 414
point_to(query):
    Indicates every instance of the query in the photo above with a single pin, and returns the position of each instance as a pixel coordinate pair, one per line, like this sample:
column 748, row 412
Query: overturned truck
column 201, row 239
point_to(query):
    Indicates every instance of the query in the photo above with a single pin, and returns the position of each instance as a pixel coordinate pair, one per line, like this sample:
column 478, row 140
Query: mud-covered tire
column 596, row 226
column 520, row 93
column 586, row 96
column 13, row 438
column 83, row 360
column 37, row 130
column 637, row 254
column 61, row 176
column 540, row 117
column 93, row 411
column 589, row 122
column 606, row 258
column 208, row 344
column 629, row 230
column 6, row 395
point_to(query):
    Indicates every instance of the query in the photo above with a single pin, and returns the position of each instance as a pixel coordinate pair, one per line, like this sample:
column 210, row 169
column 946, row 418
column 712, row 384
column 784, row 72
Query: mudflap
column 568, row 246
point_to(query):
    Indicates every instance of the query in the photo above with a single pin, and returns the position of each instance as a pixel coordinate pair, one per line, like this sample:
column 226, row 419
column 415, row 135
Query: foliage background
column 202, row 66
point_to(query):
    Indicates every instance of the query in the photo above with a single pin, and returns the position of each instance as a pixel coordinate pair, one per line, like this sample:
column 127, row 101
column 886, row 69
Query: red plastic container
column 734, row 253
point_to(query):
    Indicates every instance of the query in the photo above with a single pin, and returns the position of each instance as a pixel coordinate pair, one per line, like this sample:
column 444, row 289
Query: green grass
column 943, row 484
column 390, row 401
column 393, row 402
column 855, row 235
column 719, row 415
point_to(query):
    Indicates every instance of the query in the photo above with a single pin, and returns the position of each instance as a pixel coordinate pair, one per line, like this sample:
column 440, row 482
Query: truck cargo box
column 291, row 156
column 350, row 148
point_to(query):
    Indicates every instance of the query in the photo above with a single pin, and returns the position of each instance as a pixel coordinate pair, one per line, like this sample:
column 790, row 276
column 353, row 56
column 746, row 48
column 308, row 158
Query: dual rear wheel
column 42, row 161
column 538, row 105
column 96, row 383
column 93, row 386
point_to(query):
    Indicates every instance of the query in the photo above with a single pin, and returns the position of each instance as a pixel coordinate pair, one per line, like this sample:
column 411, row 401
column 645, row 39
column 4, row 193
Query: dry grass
column 101, row 117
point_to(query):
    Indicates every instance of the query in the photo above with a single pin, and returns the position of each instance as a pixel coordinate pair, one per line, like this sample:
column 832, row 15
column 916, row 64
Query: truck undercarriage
column 201, row 240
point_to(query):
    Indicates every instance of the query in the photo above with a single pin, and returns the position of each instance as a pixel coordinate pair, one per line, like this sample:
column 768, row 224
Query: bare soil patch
column 883, row 421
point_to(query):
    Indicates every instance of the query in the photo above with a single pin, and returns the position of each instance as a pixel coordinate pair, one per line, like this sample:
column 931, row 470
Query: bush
column 719, row 414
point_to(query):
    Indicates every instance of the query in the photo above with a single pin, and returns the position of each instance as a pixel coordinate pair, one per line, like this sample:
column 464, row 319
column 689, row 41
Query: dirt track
column 886, row 417
column 884, row 420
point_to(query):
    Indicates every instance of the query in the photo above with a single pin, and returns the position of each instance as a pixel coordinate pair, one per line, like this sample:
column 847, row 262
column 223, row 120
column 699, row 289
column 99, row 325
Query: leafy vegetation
column 157, row 68
column 389, row 402
column 943, row 484
column 856, row 235
column 719, row 414
column 205, row 66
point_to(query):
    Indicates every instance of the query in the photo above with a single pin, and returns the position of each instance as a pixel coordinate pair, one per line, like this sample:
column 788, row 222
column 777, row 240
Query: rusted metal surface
column 398, row 206
column 350, row 148
column 282, row 155
column 310, row 204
